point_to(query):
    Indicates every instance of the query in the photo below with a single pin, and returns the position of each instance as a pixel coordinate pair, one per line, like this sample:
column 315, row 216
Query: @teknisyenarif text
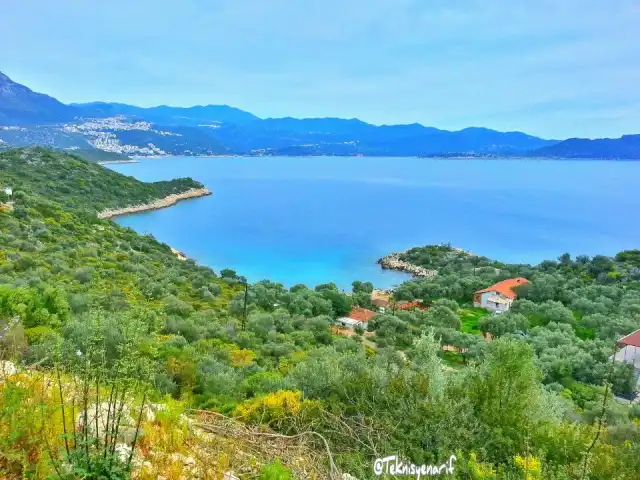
column 394, row 465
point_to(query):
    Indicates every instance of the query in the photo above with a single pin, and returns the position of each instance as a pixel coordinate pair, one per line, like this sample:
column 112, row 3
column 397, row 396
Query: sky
column 551, row 68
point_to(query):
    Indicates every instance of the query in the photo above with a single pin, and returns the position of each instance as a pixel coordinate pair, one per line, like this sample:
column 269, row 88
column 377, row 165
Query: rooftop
column 633, row 339
column 410, row 305
column 361, row 314
column 505, row 287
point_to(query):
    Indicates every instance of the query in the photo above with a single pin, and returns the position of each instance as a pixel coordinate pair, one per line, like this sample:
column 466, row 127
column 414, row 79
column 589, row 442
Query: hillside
column 91, row 312
column 95, row 155
column 21, row 106
column 72, row 182
column 626, row 147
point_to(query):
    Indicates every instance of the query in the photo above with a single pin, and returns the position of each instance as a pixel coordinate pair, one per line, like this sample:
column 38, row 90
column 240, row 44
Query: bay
column 313, row 220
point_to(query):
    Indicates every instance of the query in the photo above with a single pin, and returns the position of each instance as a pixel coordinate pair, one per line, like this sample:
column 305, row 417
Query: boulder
column 7, row 369
column 126, row 430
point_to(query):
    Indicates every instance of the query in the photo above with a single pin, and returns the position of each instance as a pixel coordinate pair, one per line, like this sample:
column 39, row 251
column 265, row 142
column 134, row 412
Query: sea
column 315, row 220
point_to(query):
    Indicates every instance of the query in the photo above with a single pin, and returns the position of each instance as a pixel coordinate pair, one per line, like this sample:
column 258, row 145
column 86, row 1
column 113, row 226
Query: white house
column 8, row 191
column 357, row 317
column 499, row 297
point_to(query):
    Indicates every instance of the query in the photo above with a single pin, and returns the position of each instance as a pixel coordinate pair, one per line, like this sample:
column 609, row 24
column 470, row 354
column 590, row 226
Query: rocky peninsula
column 393, row 262
column 157, row 204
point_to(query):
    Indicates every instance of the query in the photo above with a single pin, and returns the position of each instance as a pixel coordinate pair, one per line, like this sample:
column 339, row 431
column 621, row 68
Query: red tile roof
column 632, row 339
column 506, row 287
column 361, row 314
column 409, row 305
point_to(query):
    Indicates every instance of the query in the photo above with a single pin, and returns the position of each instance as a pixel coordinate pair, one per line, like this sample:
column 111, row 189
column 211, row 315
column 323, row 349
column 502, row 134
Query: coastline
column 392, row 261
column 113, row 162
column 155, row 205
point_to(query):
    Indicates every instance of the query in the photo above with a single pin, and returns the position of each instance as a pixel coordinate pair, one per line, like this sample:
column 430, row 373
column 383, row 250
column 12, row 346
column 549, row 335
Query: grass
column 470, row 317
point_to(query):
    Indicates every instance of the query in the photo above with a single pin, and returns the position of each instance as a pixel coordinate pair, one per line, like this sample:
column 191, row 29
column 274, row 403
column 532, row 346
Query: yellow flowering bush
column 530, row 465
column 276, row 406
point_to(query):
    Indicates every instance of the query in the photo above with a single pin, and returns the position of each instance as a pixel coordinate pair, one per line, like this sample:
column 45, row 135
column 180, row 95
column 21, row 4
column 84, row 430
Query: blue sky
column 553, row 68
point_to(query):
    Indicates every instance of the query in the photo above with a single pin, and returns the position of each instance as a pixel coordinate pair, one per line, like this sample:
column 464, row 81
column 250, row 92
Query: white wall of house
column 347, row 322
column 630, row 354
column 485, row 302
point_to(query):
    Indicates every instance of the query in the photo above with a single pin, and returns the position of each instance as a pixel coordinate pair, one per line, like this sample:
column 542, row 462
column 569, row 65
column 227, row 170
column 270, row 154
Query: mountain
column 21, row 106
column 31, row 118
column 330, row 136
column 207, row 115
column 626, row 147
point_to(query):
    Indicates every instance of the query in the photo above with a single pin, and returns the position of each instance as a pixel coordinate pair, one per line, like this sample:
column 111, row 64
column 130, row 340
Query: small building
column 498, row 297
column 630, row 352
column 8, row 191
column 357, row 317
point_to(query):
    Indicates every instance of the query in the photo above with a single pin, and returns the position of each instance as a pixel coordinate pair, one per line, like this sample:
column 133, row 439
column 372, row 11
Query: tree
column 507, row 397
column 441, row 316
column 340, row 303
column 360, row 287
column 499, row 325
column 362, row 299
column 446, row 302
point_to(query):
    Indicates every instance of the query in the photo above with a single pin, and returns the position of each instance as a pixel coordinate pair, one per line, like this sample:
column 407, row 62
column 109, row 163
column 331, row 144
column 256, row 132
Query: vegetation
column 72, row 182
column 97, row 316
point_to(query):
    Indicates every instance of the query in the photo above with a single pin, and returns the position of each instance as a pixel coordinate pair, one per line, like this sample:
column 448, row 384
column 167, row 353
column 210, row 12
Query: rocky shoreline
column 393, row 262
column 114, row 162
column 157, row 204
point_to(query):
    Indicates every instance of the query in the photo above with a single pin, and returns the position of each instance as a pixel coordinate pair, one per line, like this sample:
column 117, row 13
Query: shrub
column 275, row 471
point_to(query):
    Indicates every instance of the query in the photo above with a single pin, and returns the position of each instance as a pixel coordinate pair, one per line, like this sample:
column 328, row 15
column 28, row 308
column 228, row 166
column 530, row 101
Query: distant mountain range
column 28, row 118
column 625, row 147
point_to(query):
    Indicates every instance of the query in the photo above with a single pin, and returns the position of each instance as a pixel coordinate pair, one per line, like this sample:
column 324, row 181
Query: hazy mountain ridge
column 625, row 147
column 221, row 129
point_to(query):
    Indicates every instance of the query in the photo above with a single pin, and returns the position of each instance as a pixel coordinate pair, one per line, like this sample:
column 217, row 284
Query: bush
column 83, row 275
column 275, row 471
column 175, row 306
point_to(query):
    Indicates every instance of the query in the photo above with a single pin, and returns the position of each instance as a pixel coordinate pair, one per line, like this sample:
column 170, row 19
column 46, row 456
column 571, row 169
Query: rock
column 122, row 451
column 128, row 434
column 126, row 431
column 229, row 476
column 393, row 262
column 159, row 203
column 347, row 476
column 150, row 410
column 7, row 369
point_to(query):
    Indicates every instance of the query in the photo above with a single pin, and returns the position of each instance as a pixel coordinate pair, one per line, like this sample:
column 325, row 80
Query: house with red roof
column 629, row 352
column 357, row 317
column 498, row 297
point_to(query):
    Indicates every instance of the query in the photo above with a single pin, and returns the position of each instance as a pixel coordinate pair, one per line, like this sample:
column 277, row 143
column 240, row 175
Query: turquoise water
column 319, row 219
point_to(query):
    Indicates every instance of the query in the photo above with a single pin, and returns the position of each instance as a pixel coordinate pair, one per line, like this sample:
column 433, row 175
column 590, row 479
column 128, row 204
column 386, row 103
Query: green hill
column 74, row 182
